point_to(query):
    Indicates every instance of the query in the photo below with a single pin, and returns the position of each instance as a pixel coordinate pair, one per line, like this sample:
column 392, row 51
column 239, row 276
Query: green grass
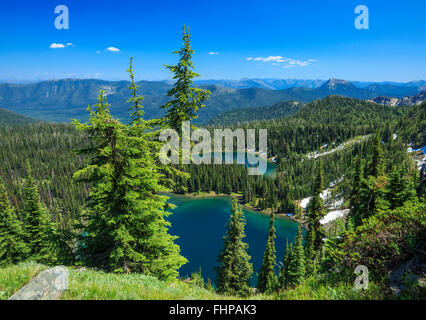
column 312, row 289
column 86, row 284
column 89, row 284
column 14, row 277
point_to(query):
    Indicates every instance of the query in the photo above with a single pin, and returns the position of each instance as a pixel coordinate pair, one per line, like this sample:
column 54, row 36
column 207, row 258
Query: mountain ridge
column 62, row 100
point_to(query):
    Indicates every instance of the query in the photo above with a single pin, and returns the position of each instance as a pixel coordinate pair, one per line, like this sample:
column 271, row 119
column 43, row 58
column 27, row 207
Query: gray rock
column 410, row 272
column 47, row 285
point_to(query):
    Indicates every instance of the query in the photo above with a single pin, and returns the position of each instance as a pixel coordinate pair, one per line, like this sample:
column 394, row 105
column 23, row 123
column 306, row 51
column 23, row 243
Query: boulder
column 47, row 285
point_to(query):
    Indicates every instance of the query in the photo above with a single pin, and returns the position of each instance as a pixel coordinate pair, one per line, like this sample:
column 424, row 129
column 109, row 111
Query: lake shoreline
column 205, row 195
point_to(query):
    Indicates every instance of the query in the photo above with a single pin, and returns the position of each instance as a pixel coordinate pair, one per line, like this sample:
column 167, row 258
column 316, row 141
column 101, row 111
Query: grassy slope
column 12, row 278
column 87, row 284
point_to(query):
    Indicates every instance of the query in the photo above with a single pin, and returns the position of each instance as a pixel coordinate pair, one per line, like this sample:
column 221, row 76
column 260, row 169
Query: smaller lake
column 201, row 224
column 241, row 157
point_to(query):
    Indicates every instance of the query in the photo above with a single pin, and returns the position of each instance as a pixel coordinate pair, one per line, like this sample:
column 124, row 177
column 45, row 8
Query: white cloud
column 98, row 52
column 112, row 49
column 213, row 52
column 69, row 44
column 288, row 62
column 56, row 46
column 270, row 59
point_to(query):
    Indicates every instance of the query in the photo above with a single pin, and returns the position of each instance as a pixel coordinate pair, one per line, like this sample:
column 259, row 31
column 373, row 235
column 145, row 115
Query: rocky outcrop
column 397, row 102
column 47, row 285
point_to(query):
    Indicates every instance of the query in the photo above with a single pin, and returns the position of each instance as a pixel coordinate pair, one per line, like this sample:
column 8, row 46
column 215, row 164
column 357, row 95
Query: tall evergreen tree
column 125, row 228
column 316, row 232
column 296, row 266
column 12, row 246
column 283, row 277
column 355, row 200
column 267, row 280
column 377, row 164
column 373, row 191
column 39, row 230
column 401, row 188
column 186, row 99
column 136, row 108
column 235, row 268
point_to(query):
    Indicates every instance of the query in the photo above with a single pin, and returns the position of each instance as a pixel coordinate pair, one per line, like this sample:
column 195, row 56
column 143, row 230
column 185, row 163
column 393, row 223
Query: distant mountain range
column 263, row 83
column 62, row 100
column 280, row 84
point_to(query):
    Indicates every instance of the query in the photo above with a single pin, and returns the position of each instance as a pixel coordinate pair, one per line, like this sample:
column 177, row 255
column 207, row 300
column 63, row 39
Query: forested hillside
column 330, row 121
column 240, row 115
column 49, row 149
column 413, row 125
column 11, row 118
column 317, row 127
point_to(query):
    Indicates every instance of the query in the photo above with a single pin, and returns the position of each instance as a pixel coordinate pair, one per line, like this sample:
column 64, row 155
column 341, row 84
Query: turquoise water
column 200, row 225
column 271, row 168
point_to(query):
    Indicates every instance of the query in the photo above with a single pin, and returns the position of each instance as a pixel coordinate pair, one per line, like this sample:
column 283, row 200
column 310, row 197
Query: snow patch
column 304, row 203
column 333, row 215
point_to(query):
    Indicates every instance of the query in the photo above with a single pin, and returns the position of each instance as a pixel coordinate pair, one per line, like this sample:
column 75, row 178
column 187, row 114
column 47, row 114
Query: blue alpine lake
column 242, row 157
column 200, row 224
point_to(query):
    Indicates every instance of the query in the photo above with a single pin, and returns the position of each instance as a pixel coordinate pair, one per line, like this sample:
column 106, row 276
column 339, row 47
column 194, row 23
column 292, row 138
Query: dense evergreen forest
column 240, row 115
column 92, row 192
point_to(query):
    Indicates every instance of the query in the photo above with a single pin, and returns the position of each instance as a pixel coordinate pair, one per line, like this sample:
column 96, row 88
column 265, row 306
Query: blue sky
column 301, row 39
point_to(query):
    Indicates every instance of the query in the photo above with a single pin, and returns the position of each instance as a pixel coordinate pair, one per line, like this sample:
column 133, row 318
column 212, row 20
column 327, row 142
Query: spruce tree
column 355, row 200
column 401, row 188
column 186, row 99
column 373, row 196
column 125, row 229
column 316, row 233
column 283, row 277
column 38, row 228
column 373, row 191
column 136, row 108
column 12, row 246
column 267, row 280
column 235, row 268
column 296, row 266
column 377, row 164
